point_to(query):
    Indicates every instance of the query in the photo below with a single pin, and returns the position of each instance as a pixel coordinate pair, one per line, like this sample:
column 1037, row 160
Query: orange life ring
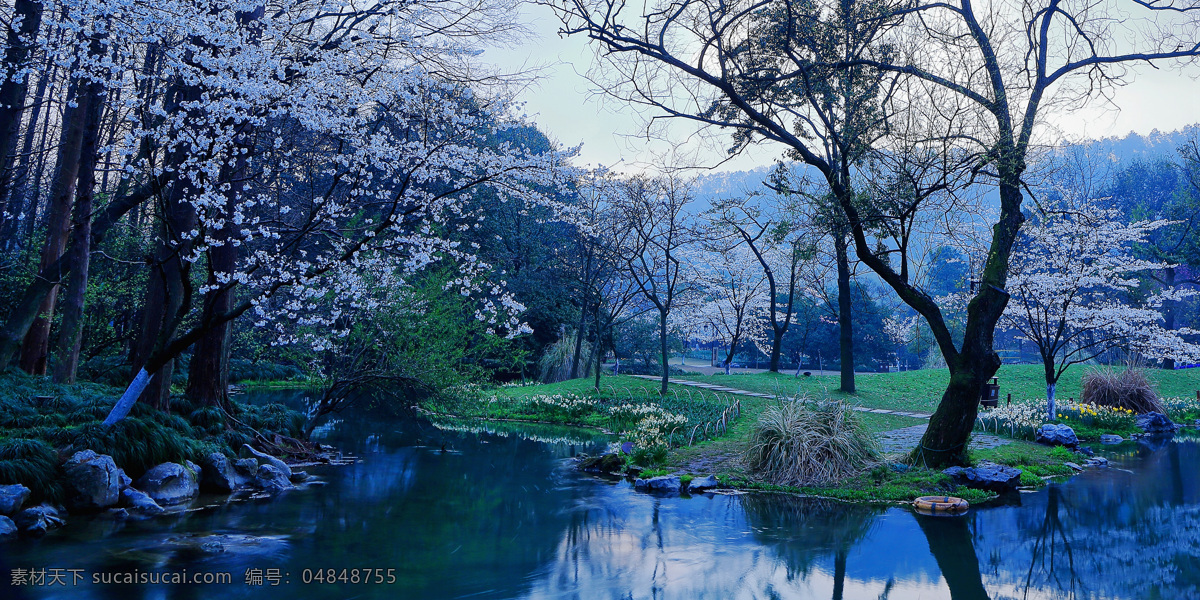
column 940, row 505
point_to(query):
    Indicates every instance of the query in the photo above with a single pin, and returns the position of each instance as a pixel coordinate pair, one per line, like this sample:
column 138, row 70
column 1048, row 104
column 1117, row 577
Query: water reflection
column 498, row 514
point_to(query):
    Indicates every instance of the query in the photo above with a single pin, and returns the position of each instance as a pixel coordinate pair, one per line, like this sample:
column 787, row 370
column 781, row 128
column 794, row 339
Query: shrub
column 1128, row 388
column 32, row 463
column 803, row 443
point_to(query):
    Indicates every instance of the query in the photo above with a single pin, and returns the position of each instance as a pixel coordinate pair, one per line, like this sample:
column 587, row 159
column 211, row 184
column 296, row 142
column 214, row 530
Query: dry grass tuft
column 810, row 443
column 1128, row 388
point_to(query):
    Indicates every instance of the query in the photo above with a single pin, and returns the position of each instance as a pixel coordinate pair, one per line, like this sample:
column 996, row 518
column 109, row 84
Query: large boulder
column 986, row 476
column 1057, row 435
column 700, row 484
column 169, row 483
column 8, row 529
column 246, row 467
column 271, row 479
column 267, row 459
column 93, row 481
column 1153, row 422
column 39, row 519
column 138, row 502
column 663, row 483
column 12, row 497
column 217, row 474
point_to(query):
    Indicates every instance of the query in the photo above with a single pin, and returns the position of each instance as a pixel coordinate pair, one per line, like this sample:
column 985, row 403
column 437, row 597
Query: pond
column 495, row 511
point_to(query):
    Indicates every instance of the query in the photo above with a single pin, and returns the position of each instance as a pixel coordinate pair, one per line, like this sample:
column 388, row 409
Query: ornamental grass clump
column 1128, row 388
column 810, row 443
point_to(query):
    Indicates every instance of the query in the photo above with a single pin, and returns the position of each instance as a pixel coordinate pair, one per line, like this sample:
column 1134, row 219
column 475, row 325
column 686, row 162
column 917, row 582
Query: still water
column 499, row 514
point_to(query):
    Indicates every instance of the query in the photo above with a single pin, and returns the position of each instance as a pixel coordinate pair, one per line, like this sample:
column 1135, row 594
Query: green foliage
column 42, row 424
column 807, row 443
column 1062, row 453
column 32, row 463
column 654, row 455
column 241, row 369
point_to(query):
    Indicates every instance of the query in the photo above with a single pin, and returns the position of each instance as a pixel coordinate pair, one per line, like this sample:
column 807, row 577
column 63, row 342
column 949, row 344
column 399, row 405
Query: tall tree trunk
column 662, row 334
column 1169, row 309
column 1051, row 380
column 12, row 105
column 776, row 347
column 208, row 373
column 71, row 329
column 25, row 311
column 22, row 198
column 598, row 349
column 845, row 312
column 168, row 290
column 36, row 346
column 945, row 441
column 579, row 339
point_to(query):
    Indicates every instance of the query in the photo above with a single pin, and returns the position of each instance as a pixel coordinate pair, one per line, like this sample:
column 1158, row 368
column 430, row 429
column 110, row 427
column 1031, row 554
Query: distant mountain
column 1116, row 151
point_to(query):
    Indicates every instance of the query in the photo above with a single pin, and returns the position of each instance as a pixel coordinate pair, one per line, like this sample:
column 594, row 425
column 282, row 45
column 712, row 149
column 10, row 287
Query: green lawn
column 922, row 390
column 911, row 391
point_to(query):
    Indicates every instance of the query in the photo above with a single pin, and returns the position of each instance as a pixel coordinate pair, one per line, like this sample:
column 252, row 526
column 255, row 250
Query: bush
column 803, row 443
column 1129, row 389
column 32, row 463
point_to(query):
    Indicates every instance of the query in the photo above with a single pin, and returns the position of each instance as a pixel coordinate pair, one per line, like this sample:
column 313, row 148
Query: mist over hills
column 1116, row 152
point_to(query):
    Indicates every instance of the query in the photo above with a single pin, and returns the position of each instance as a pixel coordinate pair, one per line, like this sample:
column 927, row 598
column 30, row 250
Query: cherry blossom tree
column 734, row 300
column 1073, row 286
column 315, row 152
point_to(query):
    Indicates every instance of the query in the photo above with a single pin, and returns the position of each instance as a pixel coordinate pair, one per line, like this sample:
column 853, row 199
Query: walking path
column 896, row 440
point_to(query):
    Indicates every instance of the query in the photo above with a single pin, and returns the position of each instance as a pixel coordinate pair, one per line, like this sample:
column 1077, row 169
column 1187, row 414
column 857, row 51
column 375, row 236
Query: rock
column 38, row 520
column 139, row 502
column 662, row 483
column 700, row 484
column 299, row 477
column 986, row 476
column 272, row 479
column 217, row 474
column 1153, row 422
column 12, row 497
column 169, row 483
column 607, row 463
column 1098, row 462
column 1057, row 435
column 117, row 514
column 8, row 529
column 1073, row 466
column 246, row 467
column 267, row 459
column 1084, row 450
column 93, row 481
column 1109, row 439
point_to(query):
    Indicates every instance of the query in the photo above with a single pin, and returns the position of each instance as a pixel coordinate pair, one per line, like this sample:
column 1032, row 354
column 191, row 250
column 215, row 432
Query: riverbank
column 888, row 480
column 55, row 452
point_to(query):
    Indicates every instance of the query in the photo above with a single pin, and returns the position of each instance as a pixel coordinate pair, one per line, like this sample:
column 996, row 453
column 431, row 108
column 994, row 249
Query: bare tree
column 653, row 226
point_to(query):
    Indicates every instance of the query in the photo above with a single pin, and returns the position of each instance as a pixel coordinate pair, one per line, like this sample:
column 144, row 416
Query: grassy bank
column 42, row 424
column 887, row 481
